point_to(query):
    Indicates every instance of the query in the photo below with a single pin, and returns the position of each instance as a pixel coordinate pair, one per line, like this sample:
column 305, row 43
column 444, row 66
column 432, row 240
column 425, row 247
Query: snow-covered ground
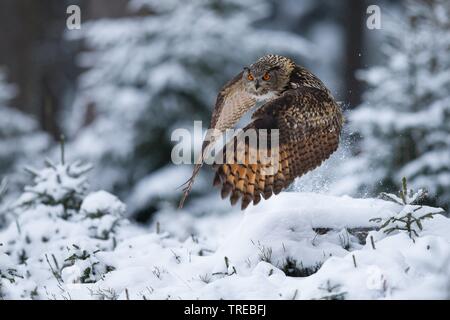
column 293, row 246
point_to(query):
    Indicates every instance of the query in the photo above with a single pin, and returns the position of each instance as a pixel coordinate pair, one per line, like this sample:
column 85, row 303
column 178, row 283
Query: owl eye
column 250, row 77
column 266, row 76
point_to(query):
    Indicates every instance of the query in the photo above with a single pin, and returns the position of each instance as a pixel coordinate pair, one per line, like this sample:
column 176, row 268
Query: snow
column 295, row 245
column 288, row 233
column 102, row 201
column 347, row 211
column 161, row 184
column 63, row 241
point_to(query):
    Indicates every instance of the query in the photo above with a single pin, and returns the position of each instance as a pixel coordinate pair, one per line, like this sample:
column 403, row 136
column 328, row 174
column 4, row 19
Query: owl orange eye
column 266, row 76
column 250, row 77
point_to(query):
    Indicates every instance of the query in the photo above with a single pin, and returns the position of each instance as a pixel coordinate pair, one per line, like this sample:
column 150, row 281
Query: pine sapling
column 334, row 292
column 83, row 266
column 412, row 215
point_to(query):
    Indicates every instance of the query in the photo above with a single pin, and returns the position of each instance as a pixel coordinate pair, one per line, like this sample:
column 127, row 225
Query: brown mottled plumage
column 297, row 103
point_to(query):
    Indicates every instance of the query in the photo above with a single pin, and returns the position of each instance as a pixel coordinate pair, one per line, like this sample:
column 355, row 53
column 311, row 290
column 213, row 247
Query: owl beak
column 257, row 85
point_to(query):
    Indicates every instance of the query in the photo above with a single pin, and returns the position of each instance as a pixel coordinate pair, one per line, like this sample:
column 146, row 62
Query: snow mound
column 279, row 250
column 294, row 246
column 102, row 202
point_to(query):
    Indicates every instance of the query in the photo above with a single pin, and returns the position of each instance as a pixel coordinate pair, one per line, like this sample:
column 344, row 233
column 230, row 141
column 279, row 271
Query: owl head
column 268, row 76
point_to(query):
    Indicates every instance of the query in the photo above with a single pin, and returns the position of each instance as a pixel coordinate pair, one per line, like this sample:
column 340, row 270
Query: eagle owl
column 296, row 103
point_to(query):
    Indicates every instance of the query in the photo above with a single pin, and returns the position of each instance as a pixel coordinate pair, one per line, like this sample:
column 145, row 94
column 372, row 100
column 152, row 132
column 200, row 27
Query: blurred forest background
column 137, row 69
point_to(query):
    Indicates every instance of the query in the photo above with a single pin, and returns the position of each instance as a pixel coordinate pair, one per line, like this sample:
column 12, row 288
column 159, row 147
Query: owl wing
column 232, row 103
column 309, row 124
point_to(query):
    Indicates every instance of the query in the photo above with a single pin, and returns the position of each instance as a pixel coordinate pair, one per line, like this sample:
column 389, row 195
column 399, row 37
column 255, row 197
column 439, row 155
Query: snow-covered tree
column 58, row 231
column 152, row 73
column 405, row 118
column 410, row 218
column 20, row 138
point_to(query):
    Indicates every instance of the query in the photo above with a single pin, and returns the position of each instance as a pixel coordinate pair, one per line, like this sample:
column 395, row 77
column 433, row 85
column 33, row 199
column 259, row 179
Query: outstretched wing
column 232, row 103
column 309, row 123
